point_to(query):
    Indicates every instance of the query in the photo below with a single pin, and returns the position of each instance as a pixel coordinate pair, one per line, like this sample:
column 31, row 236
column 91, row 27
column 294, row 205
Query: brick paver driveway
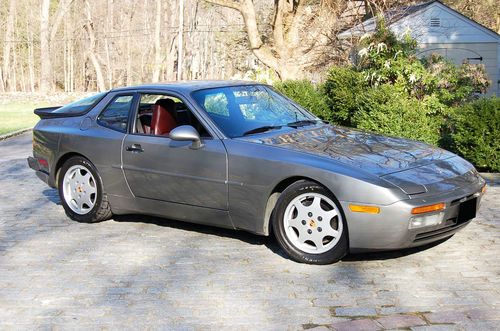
column 141, row 272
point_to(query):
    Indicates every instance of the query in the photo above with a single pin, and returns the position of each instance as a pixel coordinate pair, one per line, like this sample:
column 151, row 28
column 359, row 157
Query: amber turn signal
column 483, row 190
column 364, row 209
column 429, row 208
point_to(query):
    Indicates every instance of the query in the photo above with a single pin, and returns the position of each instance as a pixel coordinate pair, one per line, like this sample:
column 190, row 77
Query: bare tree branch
column 89, row 27
column 227, row 3
column 247, row 10
column 61, row 11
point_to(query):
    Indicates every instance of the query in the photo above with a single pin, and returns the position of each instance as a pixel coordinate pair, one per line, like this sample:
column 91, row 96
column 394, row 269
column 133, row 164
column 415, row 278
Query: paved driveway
column 137, row 272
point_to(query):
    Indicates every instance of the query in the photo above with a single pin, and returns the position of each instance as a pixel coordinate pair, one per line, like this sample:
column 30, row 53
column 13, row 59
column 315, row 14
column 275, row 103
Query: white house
column 440, row 29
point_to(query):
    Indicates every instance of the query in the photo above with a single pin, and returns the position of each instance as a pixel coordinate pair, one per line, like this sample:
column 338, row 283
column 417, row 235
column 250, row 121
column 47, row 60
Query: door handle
column 134, row 148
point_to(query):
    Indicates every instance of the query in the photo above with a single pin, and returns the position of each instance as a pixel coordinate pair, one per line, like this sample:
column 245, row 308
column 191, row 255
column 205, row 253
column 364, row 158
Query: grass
column 16, row 116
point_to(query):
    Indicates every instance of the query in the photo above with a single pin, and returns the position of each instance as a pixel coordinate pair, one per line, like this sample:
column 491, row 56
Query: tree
column 89, row 27
column 157, row 43
column 486, row 12
column 300, row 37
column 47, row 35
column 4, row 73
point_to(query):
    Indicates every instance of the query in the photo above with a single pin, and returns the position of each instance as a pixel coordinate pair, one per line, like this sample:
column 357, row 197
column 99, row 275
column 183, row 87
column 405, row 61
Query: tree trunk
column 23, row 76
column 259, row 49
column 7, row 69
column 31, row 61
column 13, row 79
column 109, row 30
column 48, row 33
column 129, row 63
column 128, row 70
column 2, row 87
column 180, row 41
column 89, row 27
column 157, row 45
column 71, row 68
column 170, row 42
column 66, row 58
column 46, row 65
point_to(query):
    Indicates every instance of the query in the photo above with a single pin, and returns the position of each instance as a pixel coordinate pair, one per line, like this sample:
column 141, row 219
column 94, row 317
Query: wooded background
column 87, row 45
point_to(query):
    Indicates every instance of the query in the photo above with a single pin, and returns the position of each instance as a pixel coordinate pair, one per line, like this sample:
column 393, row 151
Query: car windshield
column 81, row 106
column 250, row 109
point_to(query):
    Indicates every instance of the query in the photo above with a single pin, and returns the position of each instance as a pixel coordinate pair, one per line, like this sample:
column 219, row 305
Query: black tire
column 334, row 254
column 101, row 210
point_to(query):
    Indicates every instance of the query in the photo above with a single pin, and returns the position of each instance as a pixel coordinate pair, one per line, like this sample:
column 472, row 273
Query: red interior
column 163, row 120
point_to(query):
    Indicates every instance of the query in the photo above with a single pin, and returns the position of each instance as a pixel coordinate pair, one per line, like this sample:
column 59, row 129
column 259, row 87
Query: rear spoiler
column 48, row 112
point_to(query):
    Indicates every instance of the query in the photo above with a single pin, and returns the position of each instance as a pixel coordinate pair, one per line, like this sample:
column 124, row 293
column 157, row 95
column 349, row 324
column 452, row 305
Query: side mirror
column 186, row 133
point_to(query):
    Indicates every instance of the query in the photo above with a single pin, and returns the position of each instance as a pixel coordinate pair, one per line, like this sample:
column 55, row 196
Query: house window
column 435, row 22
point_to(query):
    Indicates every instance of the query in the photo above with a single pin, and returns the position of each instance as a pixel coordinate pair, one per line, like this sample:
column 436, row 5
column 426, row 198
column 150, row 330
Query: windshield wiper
column 300, row 123
column 262, row 129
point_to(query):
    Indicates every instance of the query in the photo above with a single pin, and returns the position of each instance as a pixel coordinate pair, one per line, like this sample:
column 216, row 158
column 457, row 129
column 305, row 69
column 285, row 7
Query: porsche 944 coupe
column 240, row 155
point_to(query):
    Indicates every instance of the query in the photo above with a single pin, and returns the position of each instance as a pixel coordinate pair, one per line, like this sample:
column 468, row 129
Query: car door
column 159, row 168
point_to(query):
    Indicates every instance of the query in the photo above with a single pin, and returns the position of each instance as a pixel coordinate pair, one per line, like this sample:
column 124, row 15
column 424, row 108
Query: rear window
column 81, row 106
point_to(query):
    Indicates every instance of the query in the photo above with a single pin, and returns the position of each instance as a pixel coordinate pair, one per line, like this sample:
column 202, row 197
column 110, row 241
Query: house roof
column 396, row 14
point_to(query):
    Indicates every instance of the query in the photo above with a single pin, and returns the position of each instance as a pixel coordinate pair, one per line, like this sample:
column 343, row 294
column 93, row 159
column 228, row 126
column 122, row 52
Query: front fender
column 256, row 170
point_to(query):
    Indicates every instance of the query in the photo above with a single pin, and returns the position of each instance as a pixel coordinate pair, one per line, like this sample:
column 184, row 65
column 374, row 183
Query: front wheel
column 308, row 224
column 81, row 191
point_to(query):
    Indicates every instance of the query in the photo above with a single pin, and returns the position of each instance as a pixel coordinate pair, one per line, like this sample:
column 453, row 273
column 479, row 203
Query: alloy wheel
column 80, row 189
column 313, row 223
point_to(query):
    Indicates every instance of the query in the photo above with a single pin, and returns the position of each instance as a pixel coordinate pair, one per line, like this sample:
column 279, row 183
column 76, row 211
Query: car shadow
column 268, row 242
column 388, row 255
column 244, row 236
column 52, row 195
column 247, row 237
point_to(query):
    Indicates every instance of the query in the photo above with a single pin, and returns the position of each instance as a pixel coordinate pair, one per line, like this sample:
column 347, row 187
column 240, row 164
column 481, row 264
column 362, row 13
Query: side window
column 115, row 116
column 158, row 114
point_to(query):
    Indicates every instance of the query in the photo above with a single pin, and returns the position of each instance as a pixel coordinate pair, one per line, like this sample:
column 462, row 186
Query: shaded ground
column 135, row 272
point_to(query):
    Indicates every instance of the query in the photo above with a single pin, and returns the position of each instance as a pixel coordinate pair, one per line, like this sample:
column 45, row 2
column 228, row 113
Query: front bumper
column 389, row 230
column 40, row 173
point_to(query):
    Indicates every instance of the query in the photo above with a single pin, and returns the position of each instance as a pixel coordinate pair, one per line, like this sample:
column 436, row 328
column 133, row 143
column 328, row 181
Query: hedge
column 390, row 90
column 476, row 133
column 305, row 94
column 471, row 130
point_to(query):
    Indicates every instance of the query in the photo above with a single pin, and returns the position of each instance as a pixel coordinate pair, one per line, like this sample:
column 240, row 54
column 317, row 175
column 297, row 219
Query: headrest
column 168, row 104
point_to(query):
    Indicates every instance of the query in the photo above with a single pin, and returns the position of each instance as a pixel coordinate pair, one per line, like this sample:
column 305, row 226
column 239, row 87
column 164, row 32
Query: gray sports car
column 240, row 155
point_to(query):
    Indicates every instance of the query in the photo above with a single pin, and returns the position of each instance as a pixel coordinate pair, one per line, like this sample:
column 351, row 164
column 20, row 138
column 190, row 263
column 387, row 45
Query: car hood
column 372, row 153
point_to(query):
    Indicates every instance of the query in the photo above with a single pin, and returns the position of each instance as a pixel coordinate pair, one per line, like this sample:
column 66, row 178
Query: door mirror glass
column 186, row 133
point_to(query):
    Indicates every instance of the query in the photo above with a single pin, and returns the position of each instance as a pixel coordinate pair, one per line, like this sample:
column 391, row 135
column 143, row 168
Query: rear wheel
column 309, row 225
column 81, row 191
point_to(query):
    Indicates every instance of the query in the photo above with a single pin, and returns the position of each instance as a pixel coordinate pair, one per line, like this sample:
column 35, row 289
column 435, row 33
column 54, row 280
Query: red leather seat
column 164, row 117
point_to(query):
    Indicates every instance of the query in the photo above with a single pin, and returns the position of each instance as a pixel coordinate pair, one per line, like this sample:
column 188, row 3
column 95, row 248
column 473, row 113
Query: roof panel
column 188, row 85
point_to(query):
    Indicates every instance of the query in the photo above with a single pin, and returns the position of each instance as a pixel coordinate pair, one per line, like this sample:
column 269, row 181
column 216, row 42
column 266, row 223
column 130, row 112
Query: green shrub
column 476, row 132
column 400, row 116
column 453, row 84
column 385, row 59
column 385, row 108
column 391, row 91
column 305, row 94
column 345, row 90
